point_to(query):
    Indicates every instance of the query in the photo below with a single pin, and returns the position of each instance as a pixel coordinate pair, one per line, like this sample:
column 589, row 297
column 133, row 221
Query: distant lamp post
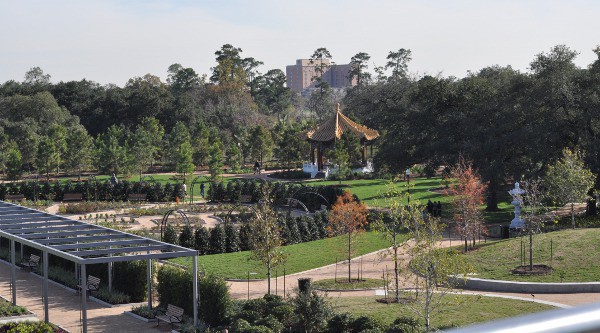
column 250, row 273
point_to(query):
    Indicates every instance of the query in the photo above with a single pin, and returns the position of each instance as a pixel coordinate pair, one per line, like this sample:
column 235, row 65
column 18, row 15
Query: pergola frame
column 84, row 244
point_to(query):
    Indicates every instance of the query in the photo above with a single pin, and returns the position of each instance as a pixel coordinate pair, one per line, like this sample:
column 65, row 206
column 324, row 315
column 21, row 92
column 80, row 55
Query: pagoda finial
column 338, row 107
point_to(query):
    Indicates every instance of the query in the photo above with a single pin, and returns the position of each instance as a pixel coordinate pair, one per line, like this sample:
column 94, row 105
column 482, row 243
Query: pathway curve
column 373, row 266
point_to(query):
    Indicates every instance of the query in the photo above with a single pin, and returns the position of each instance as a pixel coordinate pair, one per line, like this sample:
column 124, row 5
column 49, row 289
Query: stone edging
column 525, row 287
column 25, row 317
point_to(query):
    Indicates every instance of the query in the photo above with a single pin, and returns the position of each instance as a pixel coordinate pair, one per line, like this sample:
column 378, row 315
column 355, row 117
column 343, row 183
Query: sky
column 110, row 41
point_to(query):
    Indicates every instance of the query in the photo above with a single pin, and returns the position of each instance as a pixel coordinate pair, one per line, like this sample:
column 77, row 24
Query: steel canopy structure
column 84, row 244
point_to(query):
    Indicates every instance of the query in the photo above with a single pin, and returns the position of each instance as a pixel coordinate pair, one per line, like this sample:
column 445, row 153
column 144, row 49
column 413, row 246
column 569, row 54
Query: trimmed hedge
column 92, row 190
column 175, row 287
column 308, row 195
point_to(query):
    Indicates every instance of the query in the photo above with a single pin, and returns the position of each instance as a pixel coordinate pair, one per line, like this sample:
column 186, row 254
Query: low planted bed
column 571, row 255
column 301, row 257
column 7, row 309
column 30, row 326
column 343, row 284
column 456, row 310
column 22, row 320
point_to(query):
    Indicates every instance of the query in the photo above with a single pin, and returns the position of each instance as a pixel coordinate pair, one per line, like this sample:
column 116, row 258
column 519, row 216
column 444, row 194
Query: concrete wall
column 526, row 287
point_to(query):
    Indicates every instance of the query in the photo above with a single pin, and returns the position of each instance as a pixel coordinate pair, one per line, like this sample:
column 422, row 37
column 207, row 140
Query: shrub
column 29, row 327
column 7, row 309
column 340, row 323
column 143, row 311
column 312, row 310
column 405, row 325
column 232, row 238
column 201, row 240
column 174, row 286
column 215, row 301
column 132, row 278
column 365, row 323
column 186, row 237
column 217, row 242
column 112, row 297
column 170, row 235
column 245, row 237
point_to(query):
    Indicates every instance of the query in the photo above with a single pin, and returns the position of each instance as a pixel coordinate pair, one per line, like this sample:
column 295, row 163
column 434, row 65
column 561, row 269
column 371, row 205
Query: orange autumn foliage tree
column 347, row 217
column 468, row 194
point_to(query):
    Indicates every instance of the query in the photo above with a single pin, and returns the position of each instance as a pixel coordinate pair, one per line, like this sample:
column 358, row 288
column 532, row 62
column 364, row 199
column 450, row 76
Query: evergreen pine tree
column 232, row 238
column 186, row 237
column 201, row 237
column 170, row 235
column 217, row 242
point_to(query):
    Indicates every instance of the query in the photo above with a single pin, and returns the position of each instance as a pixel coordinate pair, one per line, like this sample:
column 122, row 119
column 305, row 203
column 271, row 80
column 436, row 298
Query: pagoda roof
column 338, row 124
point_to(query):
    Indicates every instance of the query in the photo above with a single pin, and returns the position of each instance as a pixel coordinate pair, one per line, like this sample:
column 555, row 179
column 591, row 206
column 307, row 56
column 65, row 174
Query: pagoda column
column 312, row 153
column 319, row 158
column 364, row 152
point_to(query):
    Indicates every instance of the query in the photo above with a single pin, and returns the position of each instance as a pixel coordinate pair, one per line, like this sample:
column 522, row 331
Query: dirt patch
column 537, row 270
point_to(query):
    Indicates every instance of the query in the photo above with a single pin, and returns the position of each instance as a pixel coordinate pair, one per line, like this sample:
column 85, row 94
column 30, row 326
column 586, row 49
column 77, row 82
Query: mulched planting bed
column 537, row 270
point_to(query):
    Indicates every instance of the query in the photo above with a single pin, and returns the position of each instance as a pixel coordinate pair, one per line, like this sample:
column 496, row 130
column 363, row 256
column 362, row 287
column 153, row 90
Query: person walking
column 202, row 186
column 256, row 167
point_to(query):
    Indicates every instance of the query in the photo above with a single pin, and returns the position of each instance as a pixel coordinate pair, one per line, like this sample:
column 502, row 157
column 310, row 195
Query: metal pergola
column 84, row 244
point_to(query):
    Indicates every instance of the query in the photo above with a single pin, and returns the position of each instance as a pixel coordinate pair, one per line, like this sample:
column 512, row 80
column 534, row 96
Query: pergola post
column 149, row 280
column 83, row 299
column 13, row 272
column 110, row 276
column 45, row 264
column 195, row 287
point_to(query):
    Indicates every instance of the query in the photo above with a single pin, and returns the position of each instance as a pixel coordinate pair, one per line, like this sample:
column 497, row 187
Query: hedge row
column 92, row 190
column 311, row 196
column 230, row 237
column 175, row 287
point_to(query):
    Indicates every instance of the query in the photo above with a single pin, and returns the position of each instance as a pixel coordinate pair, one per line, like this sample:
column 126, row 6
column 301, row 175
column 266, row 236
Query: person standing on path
column 202, row 186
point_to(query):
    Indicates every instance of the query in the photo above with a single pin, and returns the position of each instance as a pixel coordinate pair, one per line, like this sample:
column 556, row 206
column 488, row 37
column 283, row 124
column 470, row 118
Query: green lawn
column 301, row 257
column 370, row 191
column 575, row 256
column 459, row 310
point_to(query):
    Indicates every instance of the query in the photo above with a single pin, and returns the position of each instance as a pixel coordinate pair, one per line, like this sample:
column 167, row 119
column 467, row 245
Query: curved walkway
column 373, row 266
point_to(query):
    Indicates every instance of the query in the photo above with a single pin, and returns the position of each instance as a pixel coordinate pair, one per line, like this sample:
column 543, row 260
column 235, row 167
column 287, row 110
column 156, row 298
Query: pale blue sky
column 111, row 41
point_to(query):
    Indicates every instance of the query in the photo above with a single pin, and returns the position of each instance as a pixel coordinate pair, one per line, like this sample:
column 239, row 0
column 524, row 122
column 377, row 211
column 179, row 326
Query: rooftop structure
column 299, row 77
column 323, row 136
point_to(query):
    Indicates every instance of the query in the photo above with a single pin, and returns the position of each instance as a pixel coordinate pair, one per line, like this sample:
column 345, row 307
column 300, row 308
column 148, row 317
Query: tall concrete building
column 300, row 76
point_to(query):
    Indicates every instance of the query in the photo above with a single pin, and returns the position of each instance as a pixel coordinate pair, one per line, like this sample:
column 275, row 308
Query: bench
column 73, row 197
column 92, row 285
column 136, row 197
column 15, row 197
column 32, row 262
column 174, row 315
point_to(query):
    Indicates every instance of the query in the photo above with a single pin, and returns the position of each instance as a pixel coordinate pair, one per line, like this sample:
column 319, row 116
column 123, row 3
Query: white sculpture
column 516, row 194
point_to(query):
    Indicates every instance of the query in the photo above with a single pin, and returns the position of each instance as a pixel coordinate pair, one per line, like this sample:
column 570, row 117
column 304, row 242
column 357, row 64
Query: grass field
column 301, row 257
column 371, row 191
column 458, row 310
column 574, row 257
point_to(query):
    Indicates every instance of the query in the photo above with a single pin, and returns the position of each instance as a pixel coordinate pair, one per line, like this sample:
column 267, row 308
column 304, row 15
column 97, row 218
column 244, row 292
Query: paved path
column 373, row 266
column 64, row 306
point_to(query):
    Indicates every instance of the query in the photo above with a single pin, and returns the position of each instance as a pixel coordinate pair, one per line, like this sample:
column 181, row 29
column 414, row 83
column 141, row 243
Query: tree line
column 509, row 123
